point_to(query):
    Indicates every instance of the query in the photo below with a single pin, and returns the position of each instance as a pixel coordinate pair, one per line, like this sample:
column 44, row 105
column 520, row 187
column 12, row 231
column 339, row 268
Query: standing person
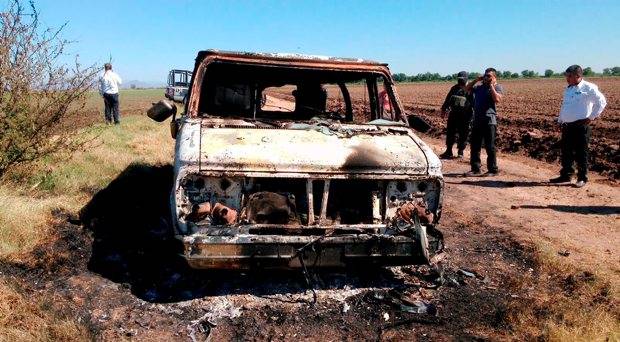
column 487, row 94
column 582, row 103
column 458, row 107
column 108, row 88
column 385, row 105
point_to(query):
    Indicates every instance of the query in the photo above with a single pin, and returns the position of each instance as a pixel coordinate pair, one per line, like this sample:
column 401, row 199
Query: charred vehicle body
column 286, row 161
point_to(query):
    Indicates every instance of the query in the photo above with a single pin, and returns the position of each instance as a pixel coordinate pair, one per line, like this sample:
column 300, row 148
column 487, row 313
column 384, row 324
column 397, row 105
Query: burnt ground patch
column 472, row 300
column 120, row 275
column 466, row 305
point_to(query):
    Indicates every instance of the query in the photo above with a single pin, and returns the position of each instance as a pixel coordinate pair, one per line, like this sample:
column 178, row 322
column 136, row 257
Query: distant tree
column 430, row 77
column 529, row 73
column 132, row 86
column 425, row 77
column 400, row 77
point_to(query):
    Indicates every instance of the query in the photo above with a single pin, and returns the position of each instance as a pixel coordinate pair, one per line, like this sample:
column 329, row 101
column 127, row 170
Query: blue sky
column 147, row 38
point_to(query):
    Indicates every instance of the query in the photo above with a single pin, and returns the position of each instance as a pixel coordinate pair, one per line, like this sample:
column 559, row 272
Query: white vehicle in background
column 178, row 83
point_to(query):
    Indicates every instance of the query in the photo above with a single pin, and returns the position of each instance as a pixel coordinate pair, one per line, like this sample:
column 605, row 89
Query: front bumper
column 248, row 251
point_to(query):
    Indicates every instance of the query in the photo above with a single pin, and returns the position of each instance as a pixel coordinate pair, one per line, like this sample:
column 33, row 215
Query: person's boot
column 473, row 173
column 581, row 182
column 446, row 155
column 560, row 179
column 492, row 173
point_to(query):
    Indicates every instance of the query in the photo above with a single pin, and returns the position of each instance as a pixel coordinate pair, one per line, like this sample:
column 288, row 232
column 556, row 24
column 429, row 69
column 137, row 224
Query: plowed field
column 527, row 118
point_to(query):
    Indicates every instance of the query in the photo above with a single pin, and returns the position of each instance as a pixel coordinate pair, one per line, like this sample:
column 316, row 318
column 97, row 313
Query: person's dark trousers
column 458, row 124
column 111, row 108
column 575, row 148
column 483, row 132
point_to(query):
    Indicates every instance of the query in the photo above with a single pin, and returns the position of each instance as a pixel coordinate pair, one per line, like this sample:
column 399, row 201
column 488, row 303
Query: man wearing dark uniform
column 487, row 93
column 458, row 107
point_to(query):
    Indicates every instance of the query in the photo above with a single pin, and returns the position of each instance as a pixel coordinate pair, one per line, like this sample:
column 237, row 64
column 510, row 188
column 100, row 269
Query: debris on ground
column 467, row 273
column 564, row 253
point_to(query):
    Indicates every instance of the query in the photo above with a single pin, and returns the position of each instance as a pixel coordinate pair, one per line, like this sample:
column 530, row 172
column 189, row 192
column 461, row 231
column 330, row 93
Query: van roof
column 285, row 57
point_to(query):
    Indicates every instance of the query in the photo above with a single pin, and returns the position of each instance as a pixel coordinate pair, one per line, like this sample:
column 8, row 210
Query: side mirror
column 418, row 123
column 162, row 110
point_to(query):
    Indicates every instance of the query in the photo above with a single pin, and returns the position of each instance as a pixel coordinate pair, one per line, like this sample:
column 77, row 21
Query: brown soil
column 114, row 268
column 527, row 118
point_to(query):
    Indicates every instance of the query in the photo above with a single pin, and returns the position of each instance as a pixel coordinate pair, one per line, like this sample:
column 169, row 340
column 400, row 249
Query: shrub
column 39, row 94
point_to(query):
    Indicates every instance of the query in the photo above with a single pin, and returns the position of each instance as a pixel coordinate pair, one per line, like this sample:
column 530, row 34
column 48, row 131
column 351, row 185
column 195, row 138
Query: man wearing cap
column 108, row 88
column 582, row 103
column 458, row 107
column 487, row 93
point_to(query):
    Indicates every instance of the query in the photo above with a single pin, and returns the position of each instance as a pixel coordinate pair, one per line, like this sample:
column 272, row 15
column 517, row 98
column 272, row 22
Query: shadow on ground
column 493, row 183
column 578, row 209
column 133, row 244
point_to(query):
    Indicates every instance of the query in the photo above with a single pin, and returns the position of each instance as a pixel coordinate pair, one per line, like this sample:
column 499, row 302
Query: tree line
column 427, row 76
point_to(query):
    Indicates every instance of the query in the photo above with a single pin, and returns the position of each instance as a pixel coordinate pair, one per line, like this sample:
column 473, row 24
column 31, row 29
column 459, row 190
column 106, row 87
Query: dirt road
column 583, row 222
column 113, row 272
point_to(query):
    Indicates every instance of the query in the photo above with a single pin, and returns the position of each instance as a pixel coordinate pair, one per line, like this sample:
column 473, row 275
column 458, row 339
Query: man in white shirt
column 582, row 103
column 108, row 88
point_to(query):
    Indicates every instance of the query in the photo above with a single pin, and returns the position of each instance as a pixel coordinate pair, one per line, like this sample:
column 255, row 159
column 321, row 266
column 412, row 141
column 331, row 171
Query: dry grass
column 28, row 195
column 24, row 219
column 564, row 303
column 22, row 319
column 132, row 101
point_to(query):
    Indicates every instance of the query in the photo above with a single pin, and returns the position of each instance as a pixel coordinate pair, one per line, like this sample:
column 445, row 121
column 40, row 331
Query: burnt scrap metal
column 199, row 212
column 270, row 208
column 292, row 180
column 223, row 214
column 408, row 211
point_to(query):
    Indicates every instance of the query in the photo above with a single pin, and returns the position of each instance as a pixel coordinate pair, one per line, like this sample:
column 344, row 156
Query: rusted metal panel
column 223, row 214
column 287, row 56
column 304, row 151
column 275, row 251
